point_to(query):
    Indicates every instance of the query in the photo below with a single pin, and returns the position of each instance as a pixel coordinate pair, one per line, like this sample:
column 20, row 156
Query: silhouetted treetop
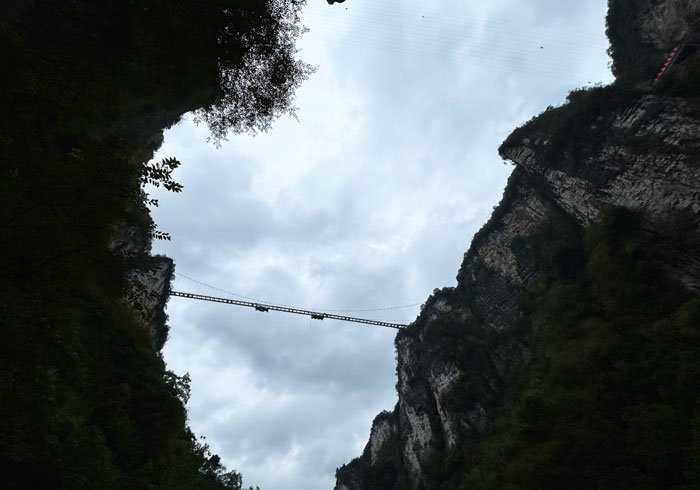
column 258, row 68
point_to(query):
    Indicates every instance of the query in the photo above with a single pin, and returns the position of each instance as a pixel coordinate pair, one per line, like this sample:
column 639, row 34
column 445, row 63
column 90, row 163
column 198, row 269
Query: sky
column 368, row 200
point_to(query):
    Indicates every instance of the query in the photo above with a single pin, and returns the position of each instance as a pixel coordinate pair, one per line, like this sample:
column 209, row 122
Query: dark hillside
column 87, row 89
column 643, row 32
column 607, row 398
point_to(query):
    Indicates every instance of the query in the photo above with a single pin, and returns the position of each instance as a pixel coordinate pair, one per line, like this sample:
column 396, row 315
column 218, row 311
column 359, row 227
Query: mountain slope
column 565, row 356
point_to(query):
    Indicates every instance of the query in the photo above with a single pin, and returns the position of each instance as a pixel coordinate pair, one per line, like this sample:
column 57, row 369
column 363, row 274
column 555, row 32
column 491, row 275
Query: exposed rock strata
column 383, row 429
column 150, row 289
column 646, row 158
column 149, row 281
column 669, row 22
column 651, row 165
column 494, row 275
column 645, row 31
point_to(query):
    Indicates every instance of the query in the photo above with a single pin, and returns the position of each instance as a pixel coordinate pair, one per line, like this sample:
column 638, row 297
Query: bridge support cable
column 316, row 315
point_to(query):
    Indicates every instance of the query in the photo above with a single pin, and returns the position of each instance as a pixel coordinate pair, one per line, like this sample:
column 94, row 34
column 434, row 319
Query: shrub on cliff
column 573, row 130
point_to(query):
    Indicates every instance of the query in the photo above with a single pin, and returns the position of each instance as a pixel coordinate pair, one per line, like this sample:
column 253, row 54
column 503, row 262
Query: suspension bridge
column 264, row 307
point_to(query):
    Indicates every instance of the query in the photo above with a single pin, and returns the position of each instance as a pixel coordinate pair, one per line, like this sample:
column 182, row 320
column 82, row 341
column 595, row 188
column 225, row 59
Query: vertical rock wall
column 646, row 157
column 149, row 281
column 651, row 165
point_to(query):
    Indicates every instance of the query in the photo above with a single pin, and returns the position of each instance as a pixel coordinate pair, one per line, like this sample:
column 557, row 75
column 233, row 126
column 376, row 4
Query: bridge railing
column 316, row 315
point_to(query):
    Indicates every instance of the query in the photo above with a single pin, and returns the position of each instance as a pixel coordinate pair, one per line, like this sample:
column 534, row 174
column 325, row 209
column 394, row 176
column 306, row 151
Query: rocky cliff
column 609, row 147
column 648, row 163
column 149, row 281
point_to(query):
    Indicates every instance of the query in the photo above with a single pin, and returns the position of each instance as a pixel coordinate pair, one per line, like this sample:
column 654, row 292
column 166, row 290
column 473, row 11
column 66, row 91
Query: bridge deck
column 317, row 315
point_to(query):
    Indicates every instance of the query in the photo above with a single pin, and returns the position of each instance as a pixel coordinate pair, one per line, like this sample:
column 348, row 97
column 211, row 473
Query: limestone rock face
column 670, row 22
column 149, row 281
column 495, row 273
column 424, row 420
column 150, row 290
column 645, row 31
column 651, row 164
column 352, row 483
column 416, row 403
column 649, row 161
column 645, row 156
column 381, row 444
column 382, row 430
column 495, row 268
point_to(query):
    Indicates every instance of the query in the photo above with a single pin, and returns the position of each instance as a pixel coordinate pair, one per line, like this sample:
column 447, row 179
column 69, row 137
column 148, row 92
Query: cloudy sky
column 368, row 201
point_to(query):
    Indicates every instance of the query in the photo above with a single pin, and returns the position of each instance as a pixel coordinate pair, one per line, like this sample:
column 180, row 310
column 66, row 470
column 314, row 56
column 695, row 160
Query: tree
column 258, row 68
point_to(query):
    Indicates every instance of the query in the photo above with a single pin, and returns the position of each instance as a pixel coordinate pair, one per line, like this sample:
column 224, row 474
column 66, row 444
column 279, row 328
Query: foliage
column 259, row 87
column 632, row 60
column 683, row 79
column 573, row 130
column 159, row 173
column 86, row 91
column 609, row 398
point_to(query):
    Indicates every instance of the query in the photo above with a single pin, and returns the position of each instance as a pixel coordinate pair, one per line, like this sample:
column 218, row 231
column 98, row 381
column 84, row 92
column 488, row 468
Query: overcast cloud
column 369, row 200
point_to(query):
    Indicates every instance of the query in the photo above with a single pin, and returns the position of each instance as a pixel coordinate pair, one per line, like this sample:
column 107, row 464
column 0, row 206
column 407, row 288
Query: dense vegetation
column 608, row 398
column 567, row 133
column 632, row 60
column 86, row 91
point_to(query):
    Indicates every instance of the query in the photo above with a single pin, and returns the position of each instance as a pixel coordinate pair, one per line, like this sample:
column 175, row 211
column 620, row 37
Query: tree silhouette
column 258, row 68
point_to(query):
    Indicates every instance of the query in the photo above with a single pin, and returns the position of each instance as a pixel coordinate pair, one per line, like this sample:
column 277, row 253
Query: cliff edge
column 545, row 367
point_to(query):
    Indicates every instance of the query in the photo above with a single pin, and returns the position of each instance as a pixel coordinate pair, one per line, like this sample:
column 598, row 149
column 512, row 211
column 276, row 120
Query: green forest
column 87, row 90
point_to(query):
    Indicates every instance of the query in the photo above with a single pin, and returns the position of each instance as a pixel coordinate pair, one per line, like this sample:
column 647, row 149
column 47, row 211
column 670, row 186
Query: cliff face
column 486, row 302
column 150, row 289
column 642, row 32
column 149, row 281
column 649, row 163
column 643, row 154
